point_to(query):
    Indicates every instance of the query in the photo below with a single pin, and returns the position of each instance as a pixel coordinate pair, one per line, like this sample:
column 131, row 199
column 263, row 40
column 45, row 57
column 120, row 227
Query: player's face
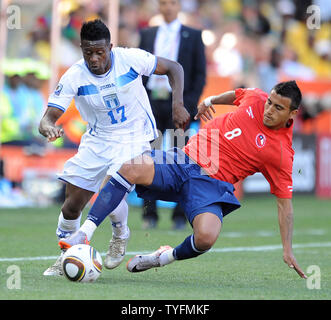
column 169, row 9
column 277, row 111
column 96, row 55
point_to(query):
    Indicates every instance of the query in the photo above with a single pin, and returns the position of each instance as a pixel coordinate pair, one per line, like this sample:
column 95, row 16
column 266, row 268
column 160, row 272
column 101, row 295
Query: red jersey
column 238, row 144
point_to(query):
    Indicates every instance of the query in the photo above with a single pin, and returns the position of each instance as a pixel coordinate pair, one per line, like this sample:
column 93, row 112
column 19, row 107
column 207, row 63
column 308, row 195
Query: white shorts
column 97, row 158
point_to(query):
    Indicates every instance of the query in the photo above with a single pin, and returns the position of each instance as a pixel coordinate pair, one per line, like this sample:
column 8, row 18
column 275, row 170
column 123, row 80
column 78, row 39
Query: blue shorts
column 179, row 179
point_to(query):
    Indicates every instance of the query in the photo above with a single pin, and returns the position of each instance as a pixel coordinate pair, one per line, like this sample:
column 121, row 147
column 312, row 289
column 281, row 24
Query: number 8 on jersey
column 232, row 134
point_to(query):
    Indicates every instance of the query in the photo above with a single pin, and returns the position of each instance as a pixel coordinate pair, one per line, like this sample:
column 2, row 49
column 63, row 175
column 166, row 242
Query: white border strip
column 216, row 250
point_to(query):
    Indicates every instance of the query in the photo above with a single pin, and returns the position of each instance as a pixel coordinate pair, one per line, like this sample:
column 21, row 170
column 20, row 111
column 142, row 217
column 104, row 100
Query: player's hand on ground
column 180, row 117
column 204, row 112
column 290, row 260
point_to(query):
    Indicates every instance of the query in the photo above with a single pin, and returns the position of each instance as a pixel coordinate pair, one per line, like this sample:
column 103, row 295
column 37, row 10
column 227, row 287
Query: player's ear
column 293, row 113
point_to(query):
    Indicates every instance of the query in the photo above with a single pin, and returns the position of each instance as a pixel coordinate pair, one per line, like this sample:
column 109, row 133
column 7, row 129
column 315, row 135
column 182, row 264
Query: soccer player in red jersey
column 257, row 137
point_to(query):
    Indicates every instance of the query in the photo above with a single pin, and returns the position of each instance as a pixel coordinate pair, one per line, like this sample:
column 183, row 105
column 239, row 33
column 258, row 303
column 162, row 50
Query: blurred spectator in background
column 178, row 42
column 254, row 22
column 75, row 21
column 24, row 100
column 311, row 45
column 291, row 68
column 38, row 45
column 268, row 70
column 127, row 36
column 231, row 62
column 9, row 125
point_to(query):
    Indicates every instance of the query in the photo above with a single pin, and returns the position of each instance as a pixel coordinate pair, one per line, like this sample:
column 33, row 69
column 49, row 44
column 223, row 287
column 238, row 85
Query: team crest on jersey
column 260, row 140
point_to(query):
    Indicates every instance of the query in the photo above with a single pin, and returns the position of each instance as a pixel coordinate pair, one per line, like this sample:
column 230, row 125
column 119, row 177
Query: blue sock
column 109, row 198
column 187, row 249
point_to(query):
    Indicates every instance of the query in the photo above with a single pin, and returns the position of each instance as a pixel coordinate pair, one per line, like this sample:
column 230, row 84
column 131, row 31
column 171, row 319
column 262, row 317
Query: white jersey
column 115, row 105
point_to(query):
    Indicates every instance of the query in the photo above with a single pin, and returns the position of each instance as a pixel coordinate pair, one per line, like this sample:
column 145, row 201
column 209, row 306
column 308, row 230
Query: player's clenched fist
column 48, row 127
column 180, row 117
column 51, row 132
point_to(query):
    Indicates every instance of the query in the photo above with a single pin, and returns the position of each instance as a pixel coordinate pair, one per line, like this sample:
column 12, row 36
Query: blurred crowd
column 255, row 43
column 22, row 101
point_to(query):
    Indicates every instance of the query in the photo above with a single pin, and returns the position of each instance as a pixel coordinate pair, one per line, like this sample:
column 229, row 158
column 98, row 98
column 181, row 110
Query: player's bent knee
column 139, row 170
column 204, row 240
column 128, row 171
column 206, row 228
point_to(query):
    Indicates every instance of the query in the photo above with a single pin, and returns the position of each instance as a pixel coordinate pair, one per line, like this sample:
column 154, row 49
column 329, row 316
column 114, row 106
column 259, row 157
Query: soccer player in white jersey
column 108, row 91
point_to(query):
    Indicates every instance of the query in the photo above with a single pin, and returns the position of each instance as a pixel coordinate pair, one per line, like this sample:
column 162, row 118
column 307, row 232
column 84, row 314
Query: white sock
column 88, row 227
column 66, row 227
column 166, row 257
column 119, row 220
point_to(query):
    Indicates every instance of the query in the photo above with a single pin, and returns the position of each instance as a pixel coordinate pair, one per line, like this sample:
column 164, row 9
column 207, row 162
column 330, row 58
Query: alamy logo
column 314, row 18
column 314, row 278
column 14, row 280
column 14, row 17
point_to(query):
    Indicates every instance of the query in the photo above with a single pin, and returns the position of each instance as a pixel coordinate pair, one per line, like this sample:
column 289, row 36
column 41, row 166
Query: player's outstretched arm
column 206, row 105
column 285, row 218
column 175, row 74
column 47, row 126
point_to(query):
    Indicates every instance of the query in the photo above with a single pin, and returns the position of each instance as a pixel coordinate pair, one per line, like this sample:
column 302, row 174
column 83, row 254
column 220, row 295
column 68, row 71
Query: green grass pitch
column 245, row 263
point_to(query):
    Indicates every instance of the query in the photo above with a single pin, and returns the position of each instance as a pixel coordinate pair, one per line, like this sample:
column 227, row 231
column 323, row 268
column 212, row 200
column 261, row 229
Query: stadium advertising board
column 323, row 166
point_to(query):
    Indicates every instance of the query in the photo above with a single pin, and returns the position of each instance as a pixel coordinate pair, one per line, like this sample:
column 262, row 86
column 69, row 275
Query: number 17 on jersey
column 117, row 112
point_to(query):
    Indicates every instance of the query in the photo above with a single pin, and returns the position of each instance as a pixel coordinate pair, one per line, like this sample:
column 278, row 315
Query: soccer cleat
column 141, row 263
column 79, row 237
column 116, row 252
column 56, row 268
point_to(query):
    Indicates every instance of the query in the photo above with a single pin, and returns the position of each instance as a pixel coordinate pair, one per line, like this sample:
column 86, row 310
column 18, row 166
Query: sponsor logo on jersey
column 107, row 86
column 260, row 140
column 250, row 112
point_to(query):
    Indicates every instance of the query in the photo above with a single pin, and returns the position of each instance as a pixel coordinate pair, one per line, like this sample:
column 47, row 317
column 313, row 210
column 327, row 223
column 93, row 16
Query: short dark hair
column 290, row 90
column 94, row 30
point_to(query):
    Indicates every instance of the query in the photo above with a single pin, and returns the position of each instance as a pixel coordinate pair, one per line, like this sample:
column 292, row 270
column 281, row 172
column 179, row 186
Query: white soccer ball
column 82, row 263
